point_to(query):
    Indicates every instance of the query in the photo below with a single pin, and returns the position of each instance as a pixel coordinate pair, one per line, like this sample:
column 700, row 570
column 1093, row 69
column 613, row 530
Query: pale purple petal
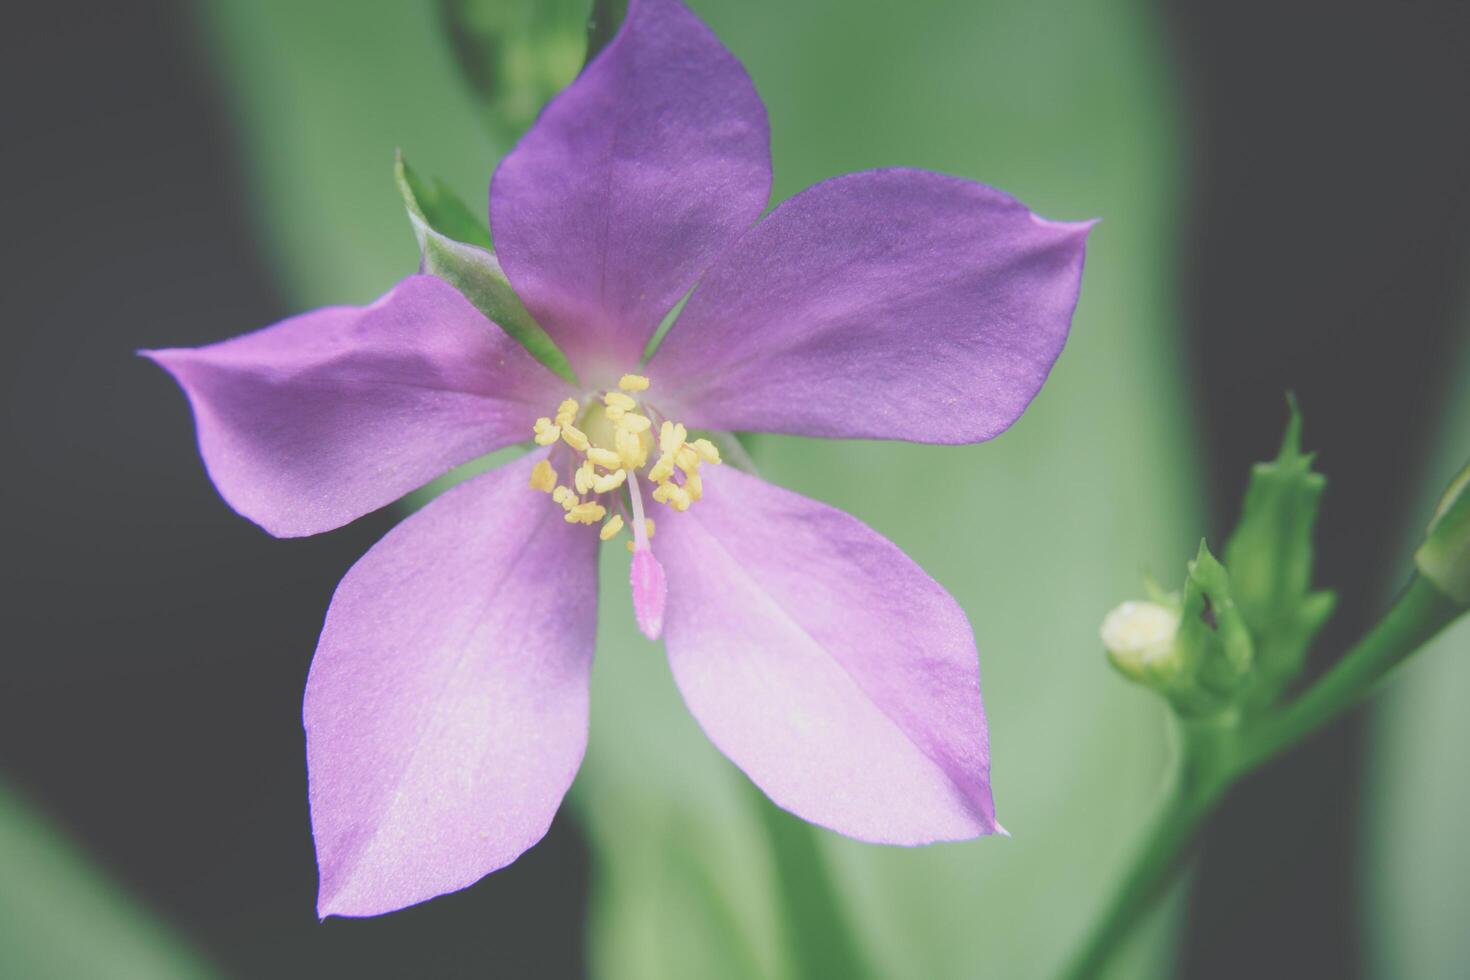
column 894, row 304
column 822, row 661
column 631, row 181
column 311, row 423
column 446, row 711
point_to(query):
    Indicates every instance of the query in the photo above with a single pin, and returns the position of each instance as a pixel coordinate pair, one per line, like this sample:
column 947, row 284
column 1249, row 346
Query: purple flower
column 446, row 711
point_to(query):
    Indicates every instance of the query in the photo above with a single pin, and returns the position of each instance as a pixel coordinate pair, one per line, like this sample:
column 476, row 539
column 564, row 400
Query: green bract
column 456, row 247
column 1213, row 639
column 1444, row 557
column 1270, row 560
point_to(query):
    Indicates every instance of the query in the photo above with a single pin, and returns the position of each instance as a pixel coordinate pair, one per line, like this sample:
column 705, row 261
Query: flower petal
column 446, row 710
column 311, row 423
column 629, row 184
column 893, row 304
column 822, row 661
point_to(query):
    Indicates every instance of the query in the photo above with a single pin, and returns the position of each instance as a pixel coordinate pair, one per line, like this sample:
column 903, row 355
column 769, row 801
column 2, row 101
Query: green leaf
column 473, row 270
column 818, row 937
column 602, row 26
column 61, row 917
column 1270, row 556
column 517, row 54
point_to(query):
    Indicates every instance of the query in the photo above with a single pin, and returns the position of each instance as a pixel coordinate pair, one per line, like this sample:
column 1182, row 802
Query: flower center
column 602, row 447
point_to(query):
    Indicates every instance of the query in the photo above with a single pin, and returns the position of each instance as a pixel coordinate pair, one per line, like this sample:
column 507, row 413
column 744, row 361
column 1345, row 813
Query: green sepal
column 1270, row 553
column 1270, row 556
column 434, row 205
column 1214, row 644
column 447, row 232
column 1444, row 557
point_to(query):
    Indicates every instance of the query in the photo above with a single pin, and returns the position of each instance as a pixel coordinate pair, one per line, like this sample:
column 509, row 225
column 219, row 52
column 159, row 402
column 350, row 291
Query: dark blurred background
column 1325, row 245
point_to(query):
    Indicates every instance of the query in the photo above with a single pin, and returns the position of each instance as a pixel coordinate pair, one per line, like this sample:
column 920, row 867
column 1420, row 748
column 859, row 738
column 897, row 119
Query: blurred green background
column 670, row 867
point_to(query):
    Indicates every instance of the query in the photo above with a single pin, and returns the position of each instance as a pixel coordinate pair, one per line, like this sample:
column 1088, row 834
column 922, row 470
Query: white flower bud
column 1139, row 635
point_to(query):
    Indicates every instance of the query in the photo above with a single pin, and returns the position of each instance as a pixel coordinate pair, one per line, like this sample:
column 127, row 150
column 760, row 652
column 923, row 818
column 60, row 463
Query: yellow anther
column 631, row 549
column 575, row 438
column 632, row 449
column 673, row 495
column 610, row 482
column 560, row 494
column 566, row 412
column 633, row 382
column 634, row 422
column 588, row 513
column 611, row 528
column 546, row 433
column 671, row 436
column 687, row 459
column 543, row 477
column 707, row 450
column 694, row 485
column 605, row 458
column 663, row 469
column 616, row 399
column 584, row 476
column 615, row 413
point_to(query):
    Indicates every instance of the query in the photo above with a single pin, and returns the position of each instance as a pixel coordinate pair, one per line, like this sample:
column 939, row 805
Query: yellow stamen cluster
column 676, row 452
column 619, row 448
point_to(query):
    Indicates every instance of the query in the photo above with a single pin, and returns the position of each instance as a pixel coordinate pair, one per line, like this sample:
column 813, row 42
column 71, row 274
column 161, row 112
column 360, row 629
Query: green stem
column 1420, row 612
column 1212, row 758
column 1192, row 792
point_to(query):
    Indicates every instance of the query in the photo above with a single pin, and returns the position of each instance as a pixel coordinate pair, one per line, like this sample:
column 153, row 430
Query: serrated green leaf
column 473, row 270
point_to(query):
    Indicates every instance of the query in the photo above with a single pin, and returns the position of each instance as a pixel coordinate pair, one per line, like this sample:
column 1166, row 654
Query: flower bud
column 1195, row 650
column 1139, row 638
column 1444, row 557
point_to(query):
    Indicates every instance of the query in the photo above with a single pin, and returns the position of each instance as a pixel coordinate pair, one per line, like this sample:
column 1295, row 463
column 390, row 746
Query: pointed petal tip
column 1080, row 229
column 163, row 357
column 650, row 592
column 329, row 906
